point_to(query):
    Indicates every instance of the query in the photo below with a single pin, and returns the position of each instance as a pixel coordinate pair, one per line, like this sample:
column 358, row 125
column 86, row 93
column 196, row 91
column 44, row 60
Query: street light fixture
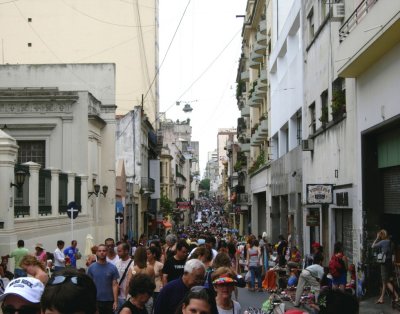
column 96, row 191
column 20, row 179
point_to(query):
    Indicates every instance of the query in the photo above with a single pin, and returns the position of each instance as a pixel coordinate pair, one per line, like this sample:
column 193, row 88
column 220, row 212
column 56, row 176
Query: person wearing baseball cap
column 23, row 295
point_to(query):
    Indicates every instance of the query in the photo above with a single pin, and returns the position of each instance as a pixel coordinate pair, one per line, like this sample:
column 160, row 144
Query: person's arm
column 376, row 242
column 128, row 277
column 115, row 288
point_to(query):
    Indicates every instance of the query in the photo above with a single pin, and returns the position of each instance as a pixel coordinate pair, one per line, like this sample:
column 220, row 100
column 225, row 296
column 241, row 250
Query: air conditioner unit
column 307, row 145
column 337, row 13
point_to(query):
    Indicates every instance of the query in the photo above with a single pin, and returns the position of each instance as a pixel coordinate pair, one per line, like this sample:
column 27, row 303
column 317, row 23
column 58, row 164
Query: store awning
column 167, row 224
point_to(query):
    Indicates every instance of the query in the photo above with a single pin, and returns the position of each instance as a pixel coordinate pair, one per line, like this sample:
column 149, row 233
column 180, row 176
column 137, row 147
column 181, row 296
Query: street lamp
column 96, row 191
column 20, row 179
column 187, row 108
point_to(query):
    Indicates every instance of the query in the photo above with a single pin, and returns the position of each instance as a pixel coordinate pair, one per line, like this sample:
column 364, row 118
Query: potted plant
column 338, row 104
column 324, row 115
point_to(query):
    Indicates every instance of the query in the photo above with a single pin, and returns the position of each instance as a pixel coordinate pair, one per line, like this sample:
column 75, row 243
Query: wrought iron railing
column 359, row 13
column 21, row 210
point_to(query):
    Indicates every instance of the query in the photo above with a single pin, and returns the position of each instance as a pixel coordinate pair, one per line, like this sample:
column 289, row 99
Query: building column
column 254, row 215
column 84, row 194
column 8, row 155
column 33, row 188
column 54, row 190
column 71, row 187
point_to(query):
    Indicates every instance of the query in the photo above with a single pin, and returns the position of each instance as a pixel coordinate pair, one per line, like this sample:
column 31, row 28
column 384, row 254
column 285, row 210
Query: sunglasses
column 58, row 280
column 8, row 309
column 197, row 289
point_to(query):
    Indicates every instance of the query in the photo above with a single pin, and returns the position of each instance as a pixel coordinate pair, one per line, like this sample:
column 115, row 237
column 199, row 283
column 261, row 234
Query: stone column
column 84, row 194
column 54, row 190
column 33, row 188
column 8, row 155
column 71, row 187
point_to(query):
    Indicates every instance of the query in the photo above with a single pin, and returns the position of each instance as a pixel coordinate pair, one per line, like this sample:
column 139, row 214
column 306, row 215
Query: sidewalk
column 367, row 306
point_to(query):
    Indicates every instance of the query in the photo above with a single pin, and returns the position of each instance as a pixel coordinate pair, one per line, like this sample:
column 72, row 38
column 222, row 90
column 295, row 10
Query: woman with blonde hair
column 140, row 265
column 383, row 243
column 34, row 268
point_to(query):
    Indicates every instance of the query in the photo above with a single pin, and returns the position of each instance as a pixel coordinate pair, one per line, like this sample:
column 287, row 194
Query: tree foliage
column 205, row 184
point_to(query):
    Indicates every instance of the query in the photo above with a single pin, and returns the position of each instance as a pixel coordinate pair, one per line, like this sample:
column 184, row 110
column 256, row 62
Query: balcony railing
column 44, row 210
column 21, row 211
column 359, row 13
column 243, row 199
column 147, row 185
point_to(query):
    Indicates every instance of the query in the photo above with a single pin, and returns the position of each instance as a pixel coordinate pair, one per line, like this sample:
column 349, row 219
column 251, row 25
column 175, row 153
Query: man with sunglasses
column 105, row 275
column 22, row 295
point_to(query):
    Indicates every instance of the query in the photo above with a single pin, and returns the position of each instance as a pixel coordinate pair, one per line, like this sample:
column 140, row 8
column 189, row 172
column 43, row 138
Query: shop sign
column 312, row 220
column 319, row 193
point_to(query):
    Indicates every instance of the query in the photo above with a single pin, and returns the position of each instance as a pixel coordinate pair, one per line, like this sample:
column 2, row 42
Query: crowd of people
column 189, row 271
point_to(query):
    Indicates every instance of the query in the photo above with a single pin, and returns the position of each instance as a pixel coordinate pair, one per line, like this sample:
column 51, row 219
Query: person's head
column 60, row 244
column 29, row 263
column 210, row 242
column 318, row 258
column 255, row 243
column 140, row 257
column 69, row 291
column 382, row 234
column 141, row 288
column 74, row 243
column 332, row 301
column 20, row 243
column 182, row 249
column 223, row 247
column 193, row 273
column 123, row 250
column 39, row 248
column 338, row 247
column 202, row 253
column 110, row 244
column 101, row 252
column 170, row 240
column 223, row 279
column 316, row 247
column 281, row 237
column 197, row 300
column 154, row 252
column 93, row 249
column 221, row 260
column 22, row 294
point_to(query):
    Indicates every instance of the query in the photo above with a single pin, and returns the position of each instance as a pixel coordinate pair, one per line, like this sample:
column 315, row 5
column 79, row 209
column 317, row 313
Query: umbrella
column 89, row 244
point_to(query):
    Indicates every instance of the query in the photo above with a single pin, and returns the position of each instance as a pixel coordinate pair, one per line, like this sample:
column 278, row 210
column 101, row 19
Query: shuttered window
column 391, row 190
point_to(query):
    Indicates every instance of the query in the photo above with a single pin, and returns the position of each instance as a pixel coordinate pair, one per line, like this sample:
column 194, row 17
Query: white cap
column 31, row 289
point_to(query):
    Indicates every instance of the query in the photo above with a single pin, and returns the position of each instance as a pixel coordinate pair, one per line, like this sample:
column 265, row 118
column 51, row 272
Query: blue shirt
column 70, row 252
column 171, row 295
column 103, row 276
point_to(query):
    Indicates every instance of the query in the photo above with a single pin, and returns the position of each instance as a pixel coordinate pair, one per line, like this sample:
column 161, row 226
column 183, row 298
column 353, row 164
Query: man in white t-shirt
column 59, row 257
column 112, row 256
column 310, row 276
column 123, row 267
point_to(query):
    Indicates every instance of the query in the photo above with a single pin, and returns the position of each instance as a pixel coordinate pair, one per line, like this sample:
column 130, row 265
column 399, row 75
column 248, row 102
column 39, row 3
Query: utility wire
column 100, row 20
column 166, row 53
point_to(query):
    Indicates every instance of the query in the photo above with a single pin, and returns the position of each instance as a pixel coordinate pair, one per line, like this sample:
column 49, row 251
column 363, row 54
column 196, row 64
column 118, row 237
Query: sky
column 200, row 46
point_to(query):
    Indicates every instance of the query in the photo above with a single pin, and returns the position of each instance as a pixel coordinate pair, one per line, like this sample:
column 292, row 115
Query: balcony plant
column 258, row 163
column 338, row 104
column 324, row 115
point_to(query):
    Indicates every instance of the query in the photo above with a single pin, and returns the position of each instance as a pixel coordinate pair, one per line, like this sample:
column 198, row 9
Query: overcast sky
column 201, row 65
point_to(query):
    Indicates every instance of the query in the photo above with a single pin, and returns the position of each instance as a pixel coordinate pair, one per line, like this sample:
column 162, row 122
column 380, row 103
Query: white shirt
column 114, row 260
column 59, row 258
column 316, row 270
column 121, row 266
column 236, row 309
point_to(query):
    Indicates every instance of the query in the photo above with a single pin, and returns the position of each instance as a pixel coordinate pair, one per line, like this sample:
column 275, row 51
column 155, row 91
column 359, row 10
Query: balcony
column 245, row 147
column 264, row 126
column 369, row 32
column 260, row 49
column 256, row 57
column 264, row 76
column 245, row 76
column 147, row 185
column 255, row 101
column 243, row 199
column 260, row 91
column 245, row 112
column 261, row 39
column 21, row 211
column 263, row 26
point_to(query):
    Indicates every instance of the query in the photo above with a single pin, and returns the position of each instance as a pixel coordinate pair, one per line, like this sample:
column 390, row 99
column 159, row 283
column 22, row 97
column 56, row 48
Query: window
column 322, row 9
column 338, row 98
column 299, row 127
column 32, row 151
column 311, row 111
column 324, row 108
column 311, row 25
